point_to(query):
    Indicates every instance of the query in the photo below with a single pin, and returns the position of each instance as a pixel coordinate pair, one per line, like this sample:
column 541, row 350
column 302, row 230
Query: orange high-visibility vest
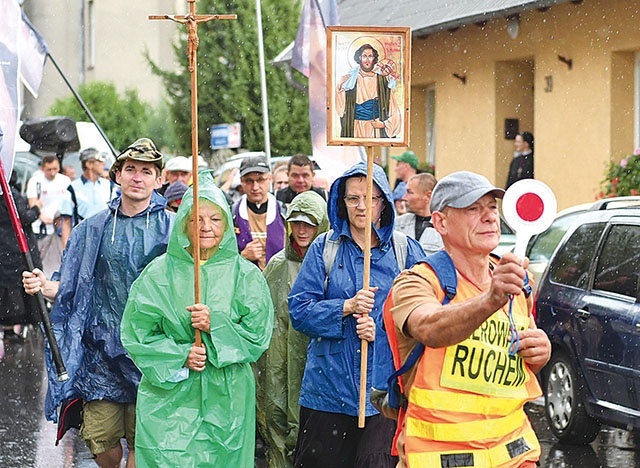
column 466, row 401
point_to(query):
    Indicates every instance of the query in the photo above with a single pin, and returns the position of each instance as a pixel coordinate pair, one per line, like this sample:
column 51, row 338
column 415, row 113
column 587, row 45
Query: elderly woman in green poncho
column 196, row 405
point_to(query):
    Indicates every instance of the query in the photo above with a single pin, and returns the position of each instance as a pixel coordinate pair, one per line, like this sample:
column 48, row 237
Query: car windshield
column 543, row 245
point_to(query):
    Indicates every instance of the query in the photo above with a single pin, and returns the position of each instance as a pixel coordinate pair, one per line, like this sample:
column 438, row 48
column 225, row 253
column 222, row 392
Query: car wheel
column 564, row 407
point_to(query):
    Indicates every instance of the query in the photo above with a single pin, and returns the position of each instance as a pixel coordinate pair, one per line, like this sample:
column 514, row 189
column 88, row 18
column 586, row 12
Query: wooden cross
column 192, row 20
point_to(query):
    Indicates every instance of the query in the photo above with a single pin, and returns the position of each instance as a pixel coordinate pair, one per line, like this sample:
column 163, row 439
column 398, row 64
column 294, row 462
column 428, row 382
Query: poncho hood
column 179, row 241
column 340, row 224
column 311, row 204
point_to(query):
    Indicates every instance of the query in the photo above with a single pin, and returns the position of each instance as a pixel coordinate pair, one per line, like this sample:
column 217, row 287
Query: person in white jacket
column 417, row 222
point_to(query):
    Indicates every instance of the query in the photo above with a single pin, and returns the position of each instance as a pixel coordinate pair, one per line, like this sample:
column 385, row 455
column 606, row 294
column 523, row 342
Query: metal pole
column 82, row 104
column 263, row 84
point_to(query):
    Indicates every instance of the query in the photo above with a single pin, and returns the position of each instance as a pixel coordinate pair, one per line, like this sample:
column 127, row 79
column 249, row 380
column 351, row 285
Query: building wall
column 122, row 34
column 581, row 117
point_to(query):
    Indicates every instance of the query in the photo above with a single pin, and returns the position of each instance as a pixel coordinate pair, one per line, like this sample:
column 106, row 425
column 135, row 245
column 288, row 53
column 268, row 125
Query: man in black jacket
column 300, row 172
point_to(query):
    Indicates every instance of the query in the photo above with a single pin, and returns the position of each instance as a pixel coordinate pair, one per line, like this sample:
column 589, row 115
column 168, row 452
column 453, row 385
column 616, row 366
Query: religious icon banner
column 368, row 85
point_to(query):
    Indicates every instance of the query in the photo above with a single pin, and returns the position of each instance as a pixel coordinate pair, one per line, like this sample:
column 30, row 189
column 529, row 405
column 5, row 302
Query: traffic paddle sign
column 529, row 207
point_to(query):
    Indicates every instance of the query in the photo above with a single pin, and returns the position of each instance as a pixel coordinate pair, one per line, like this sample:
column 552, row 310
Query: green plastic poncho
column 186, row 418
column 279, row 371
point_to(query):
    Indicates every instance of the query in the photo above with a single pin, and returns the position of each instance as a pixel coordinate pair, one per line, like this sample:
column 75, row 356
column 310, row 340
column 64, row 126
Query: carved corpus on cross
column 192, row 20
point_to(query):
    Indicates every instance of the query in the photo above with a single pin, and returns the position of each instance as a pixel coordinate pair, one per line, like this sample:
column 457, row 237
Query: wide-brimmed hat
column 142, row 149
column 460, row 190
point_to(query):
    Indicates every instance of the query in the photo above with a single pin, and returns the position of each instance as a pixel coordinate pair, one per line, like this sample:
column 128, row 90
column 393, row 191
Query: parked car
column 587, row 303
column 541, row 246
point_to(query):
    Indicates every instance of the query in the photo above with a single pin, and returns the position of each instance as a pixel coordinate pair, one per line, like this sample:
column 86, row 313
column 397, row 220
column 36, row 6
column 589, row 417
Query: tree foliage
column 123, row 119
column 229, row 78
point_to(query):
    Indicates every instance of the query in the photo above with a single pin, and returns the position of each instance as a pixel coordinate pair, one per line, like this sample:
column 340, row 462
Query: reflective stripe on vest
column 464, row 402
column 462, row 431
column 494, row 456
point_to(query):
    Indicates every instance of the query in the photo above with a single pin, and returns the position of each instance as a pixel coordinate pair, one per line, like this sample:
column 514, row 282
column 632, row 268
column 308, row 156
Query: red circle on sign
column 529, row 207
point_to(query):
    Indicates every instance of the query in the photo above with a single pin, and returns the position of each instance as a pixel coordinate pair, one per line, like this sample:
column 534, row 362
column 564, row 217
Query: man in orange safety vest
column 465, row 396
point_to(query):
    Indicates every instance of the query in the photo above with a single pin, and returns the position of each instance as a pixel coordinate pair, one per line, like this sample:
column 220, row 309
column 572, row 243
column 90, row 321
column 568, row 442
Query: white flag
column 33, row 54
column 22, row 58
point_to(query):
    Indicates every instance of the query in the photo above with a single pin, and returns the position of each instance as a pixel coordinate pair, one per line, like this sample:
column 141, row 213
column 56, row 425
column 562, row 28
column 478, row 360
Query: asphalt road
column 27, row 440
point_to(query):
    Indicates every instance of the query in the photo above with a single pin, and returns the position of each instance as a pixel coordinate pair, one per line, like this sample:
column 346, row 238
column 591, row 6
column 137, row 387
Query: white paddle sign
column 529, row 207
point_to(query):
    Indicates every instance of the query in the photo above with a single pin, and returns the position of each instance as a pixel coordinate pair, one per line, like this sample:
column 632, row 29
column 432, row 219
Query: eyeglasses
column 353, row 201
column 248, row 181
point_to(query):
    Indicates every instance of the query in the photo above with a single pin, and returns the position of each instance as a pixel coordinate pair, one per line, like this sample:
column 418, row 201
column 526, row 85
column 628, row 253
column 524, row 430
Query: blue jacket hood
column 336, row 206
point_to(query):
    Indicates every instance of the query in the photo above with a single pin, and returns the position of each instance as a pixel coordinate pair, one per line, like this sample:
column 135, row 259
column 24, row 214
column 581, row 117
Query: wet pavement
column 613, row 448
column 26, row 438
column 28, row 441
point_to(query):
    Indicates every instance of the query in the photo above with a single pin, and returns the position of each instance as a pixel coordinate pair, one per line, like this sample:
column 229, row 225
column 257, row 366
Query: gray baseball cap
column 253, row 164
column 460, row 190
column 92, row 153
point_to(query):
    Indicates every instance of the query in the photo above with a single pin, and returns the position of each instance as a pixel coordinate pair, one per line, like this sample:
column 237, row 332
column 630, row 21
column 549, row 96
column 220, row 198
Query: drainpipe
column 83, row 45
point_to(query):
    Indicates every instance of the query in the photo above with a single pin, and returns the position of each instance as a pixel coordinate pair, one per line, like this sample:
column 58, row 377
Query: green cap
column 142, row 149
column 409, row 157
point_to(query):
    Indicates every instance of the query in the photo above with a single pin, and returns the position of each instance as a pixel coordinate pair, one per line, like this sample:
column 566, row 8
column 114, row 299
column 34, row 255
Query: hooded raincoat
column 104, row 255
column 331, row 381
column 279, row 370
column 186, row 418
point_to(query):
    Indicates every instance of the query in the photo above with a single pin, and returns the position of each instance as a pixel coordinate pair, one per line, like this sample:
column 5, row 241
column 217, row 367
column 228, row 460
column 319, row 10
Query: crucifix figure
column 192, row 20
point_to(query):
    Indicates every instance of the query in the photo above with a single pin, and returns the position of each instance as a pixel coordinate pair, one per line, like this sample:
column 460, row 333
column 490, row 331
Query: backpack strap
column 330, row 250
column 443, row 267
column 400, row 246
column 329, row 253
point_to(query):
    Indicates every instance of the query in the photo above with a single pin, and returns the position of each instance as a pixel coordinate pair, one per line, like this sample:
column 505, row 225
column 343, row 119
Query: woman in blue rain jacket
column 328, row 433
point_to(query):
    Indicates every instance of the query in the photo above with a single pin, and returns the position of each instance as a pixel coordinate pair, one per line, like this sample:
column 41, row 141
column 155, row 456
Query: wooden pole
column 364, row 345
column 191, row 21
column 192, row 25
